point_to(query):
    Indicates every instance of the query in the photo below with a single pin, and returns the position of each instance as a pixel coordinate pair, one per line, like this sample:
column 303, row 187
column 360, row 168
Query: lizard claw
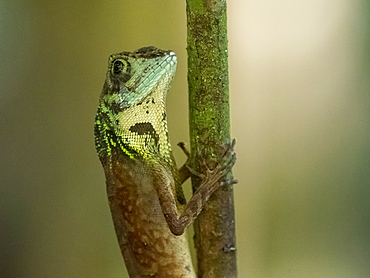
column 228, row 158
column 234, row 181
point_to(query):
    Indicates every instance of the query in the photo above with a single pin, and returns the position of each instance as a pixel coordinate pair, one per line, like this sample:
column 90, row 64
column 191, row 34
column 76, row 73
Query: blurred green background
column 300, row 109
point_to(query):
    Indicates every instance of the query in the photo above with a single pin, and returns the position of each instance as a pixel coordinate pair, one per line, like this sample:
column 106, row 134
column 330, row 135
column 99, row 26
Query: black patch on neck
column 145, row 129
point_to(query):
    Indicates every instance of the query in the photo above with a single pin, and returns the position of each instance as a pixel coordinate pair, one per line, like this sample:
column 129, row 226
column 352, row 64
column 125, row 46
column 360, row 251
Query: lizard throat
column 143, row 127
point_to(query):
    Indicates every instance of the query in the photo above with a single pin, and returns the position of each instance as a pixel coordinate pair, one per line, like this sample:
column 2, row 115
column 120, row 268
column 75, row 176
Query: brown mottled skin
column 148, row 246
column 143, row 184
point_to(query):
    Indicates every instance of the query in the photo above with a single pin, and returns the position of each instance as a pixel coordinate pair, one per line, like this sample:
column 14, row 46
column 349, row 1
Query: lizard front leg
column 210, row 183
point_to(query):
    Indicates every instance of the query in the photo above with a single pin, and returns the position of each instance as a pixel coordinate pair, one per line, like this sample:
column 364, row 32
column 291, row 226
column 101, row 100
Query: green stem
column 209, row 130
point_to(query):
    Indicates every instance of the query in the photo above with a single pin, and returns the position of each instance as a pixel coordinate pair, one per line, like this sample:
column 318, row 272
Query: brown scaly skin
column 143, row 183
column 147, row 244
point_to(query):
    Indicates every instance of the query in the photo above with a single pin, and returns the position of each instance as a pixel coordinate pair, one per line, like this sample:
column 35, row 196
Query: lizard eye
column 119, row 66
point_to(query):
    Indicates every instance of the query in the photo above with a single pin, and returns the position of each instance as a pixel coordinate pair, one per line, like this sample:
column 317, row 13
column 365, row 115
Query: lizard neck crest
column 131, row 112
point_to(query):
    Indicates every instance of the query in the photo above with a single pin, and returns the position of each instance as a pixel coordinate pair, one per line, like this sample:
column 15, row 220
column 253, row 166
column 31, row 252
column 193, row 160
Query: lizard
column 144, row 190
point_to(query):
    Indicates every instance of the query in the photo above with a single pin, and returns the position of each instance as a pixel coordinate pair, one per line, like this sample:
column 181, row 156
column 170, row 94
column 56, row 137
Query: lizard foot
column 211, row 176
column 210, row 182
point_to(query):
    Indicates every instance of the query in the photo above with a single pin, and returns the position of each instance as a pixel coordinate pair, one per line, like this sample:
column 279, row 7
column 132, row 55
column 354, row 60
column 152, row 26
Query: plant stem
column 209, row 129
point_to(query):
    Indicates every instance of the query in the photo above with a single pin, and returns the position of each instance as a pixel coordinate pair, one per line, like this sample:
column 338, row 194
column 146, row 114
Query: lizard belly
column 149, row 247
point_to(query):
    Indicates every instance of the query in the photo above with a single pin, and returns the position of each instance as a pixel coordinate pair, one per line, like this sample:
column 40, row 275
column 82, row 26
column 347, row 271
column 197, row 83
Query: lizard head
column 132, row 76
column 132, row 103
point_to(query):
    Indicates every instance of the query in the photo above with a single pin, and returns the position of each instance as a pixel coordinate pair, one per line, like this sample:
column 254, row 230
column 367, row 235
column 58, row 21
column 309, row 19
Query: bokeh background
column 300, row 110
